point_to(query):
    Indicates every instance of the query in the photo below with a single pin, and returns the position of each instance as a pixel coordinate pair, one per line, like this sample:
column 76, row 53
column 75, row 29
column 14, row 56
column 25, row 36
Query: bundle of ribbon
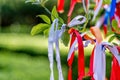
column 98, row 62
column 54, row 36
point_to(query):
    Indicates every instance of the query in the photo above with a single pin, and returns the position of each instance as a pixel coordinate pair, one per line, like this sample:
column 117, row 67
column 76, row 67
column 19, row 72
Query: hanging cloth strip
column 86, row 4
column 54, row 36
column 77, row 21
column 115, row 71
column 60, row 6
column 97, row 8
column 81, row 67
column 72, row 5
column 98, row 61
column 112, row 8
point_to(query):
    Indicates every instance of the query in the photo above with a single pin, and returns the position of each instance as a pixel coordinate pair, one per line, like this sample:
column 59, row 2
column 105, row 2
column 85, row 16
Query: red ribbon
column 105, row 30
column 118, row 47
column 118, row 9
column 90, row 73
column 72, row 5
column 115, row 72
column 81, row 68
column 60, row 7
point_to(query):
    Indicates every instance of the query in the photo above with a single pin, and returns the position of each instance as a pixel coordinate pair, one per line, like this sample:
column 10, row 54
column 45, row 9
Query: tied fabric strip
column 97, row 9
column 81, row 70
column 72, row 5
column 60, row 7
column 75, row 21
column 54, row 36
column 115, row 71
column 98, row 62
column 86, row 4
column 112, row 8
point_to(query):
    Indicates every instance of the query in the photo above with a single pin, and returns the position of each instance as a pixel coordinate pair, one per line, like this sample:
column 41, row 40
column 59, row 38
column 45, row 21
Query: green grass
column 24, row 57
column 14, row 66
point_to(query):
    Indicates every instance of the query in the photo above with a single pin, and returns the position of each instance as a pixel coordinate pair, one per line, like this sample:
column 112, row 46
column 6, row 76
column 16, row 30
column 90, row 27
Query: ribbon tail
column 99, row 63
column 58, row 61
column 60, row 7
column 90, row 73
column 115, row 72
column 97, row 9
column 70, row 60
column 105, row 29
column 83, row 1
column 50, row 56
column 81, row 65
column 72, row 5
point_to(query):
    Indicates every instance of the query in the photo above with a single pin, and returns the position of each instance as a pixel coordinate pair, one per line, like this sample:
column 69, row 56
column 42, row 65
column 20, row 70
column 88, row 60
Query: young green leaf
column 117, row 35
column 45, row 18
column 54, row 13
column 43, row 2
column 106, row 1
column 33, row 1
column 61, row 20
column 111, row 38
column 114, row 24
column 39, row 28
column 65, row 38
column 46, row 32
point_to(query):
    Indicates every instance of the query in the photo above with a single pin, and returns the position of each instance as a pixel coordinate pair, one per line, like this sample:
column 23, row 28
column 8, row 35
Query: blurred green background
column 24, row 57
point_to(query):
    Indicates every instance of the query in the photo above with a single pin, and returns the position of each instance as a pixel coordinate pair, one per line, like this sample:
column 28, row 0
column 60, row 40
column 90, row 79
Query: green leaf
column 33, row 1
column 111, row 38
column 45, row 18
column 46, row 32
column 54, row 13
column 65, row 38
column 109, row 33
column 42, row 2
column 106, row 1
column 114, row 24
column 117, row 35
column 39, row 28
column 61, row 20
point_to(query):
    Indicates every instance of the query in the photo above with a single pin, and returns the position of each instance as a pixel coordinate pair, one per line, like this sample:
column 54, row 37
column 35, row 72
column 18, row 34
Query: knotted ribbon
column 54, row 36
column 97, row 60
column 81, row 69
column 97, row 67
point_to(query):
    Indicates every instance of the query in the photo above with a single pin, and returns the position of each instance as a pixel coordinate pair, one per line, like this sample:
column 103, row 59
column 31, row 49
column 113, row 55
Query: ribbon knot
column 54, row 36
column 76, row 38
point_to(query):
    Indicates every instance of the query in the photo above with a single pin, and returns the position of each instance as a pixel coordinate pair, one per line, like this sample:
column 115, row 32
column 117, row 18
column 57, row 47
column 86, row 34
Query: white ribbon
column 86, row 8
column 99, row 61
column 113, row 50
column 97, row 9
column 100, row 22
column 54, row 36
column 75, row 21
column 72, row 49
column 117, row 1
